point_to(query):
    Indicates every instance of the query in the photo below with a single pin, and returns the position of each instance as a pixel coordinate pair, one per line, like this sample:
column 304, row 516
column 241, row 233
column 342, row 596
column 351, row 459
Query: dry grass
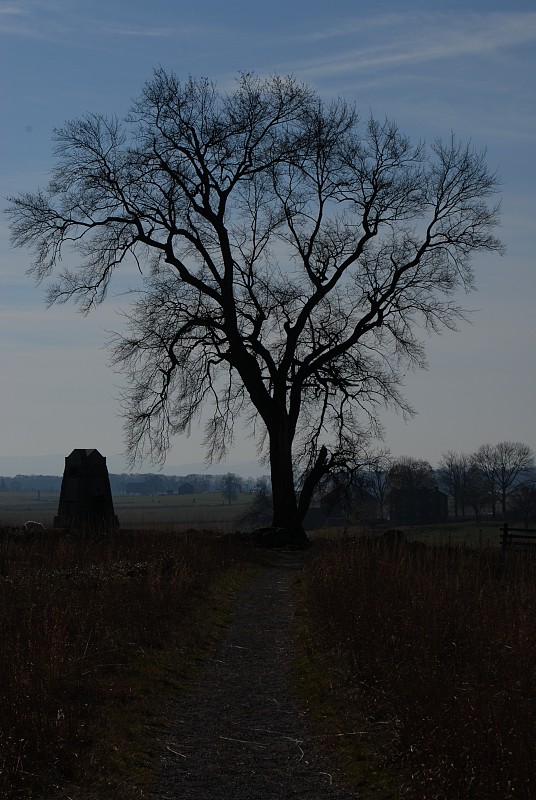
column 433, row 650
column 470, row 533
column 87, row 624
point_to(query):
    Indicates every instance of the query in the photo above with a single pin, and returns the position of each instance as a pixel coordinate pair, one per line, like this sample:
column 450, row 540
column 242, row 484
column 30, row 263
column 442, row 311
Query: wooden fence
column 517, row 537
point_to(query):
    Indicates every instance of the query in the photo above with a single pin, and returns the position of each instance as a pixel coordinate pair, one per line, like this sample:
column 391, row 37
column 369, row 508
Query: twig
column 175, row 752
column 242, row 741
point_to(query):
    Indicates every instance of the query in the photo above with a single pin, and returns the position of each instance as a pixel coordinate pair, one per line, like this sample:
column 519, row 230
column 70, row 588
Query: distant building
column 417, row 506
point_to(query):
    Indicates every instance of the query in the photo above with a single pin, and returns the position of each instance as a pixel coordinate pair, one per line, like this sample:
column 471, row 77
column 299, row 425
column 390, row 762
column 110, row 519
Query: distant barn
column 417, row 506
column 86, row 497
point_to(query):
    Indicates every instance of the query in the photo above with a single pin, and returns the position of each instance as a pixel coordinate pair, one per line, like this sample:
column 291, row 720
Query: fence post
column 505, row 537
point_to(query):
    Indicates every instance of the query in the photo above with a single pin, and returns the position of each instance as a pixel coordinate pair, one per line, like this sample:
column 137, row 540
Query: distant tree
column 341, row 490
column 452, row 473
column 412, row 474
column 477, row 490
column 231, row 485
column 154, row 484
column 515, row 465
column 485, row 463
column 204, row 483
column 287, row 255
column 377, row 479
column 260, row 512
column 261, row 486
column 503, row 467
column 248, row 485
column 186, row 487
column 347, row 486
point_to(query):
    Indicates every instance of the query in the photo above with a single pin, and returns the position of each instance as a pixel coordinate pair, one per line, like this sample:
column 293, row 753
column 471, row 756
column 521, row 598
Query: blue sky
column 433, row 67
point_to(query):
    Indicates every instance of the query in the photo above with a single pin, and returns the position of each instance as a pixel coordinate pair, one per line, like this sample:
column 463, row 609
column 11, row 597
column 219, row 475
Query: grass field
column 98, row 635
column 163, row 511
column 427, row 656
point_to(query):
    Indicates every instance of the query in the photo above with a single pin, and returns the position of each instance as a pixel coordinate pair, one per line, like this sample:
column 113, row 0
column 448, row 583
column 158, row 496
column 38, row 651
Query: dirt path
column 239, row 734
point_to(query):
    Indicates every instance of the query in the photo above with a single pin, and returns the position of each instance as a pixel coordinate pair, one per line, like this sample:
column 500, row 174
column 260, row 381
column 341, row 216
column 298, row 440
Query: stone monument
column 86, row 497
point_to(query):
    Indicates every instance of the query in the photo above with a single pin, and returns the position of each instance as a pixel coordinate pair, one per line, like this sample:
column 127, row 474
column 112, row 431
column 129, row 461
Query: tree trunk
column 284, row 499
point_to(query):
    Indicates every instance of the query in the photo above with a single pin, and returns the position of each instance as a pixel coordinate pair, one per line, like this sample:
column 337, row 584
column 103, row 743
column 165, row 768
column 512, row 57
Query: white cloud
column 54, row 20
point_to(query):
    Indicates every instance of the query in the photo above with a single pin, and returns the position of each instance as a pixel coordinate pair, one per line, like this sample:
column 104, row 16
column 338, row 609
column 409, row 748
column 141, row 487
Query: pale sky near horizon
column 466, row 66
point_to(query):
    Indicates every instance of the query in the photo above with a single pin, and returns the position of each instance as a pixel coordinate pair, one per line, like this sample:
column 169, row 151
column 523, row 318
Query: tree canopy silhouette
column 289, row 254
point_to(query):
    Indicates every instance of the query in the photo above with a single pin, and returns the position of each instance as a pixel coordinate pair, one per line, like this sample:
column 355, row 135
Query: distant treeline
column 134, row 484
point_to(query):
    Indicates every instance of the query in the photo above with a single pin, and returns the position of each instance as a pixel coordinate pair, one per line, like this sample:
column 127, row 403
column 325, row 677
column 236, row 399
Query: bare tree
column 412, row 474
column 476, row 488
column 231, row 485
column 259, row 514
column 485, row 462
column 453, row 469
column 503, row 467
column 377, row 480
column 515, row 464
column 288, row 255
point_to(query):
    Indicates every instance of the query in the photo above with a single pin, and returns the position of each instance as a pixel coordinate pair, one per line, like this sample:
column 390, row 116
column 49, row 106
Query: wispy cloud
column 435, row 37
column 141, row 32
column 54, row 19
column 152, row 33
column 37, row 19
column 349, row 27
column 10, row 11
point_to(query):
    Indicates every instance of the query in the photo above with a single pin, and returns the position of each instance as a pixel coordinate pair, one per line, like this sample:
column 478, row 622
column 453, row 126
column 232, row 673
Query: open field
column 200, row 510
column 17, row 507
column 162, row 511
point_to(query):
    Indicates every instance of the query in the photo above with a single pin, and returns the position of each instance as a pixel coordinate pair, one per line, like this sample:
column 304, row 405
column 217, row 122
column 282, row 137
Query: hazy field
column 211, row 510
column 164, row 511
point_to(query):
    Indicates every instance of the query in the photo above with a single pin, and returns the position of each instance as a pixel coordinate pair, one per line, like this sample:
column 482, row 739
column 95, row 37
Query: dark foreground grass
column 427, row 659
column 98, row 633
